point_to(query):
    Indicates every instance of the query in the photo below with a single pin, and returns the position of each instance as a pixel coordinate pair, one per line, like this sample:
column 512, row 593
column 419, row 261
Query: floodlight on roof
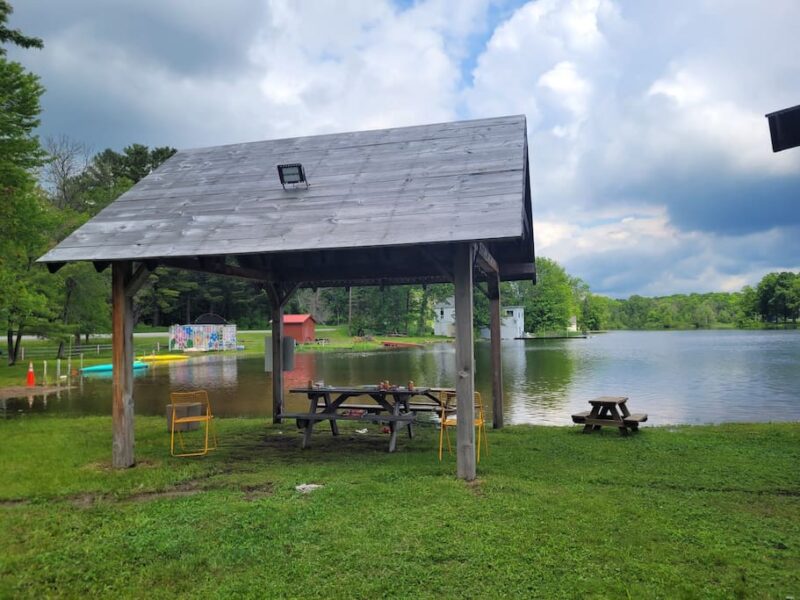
column 784, row 128
column 292, row 174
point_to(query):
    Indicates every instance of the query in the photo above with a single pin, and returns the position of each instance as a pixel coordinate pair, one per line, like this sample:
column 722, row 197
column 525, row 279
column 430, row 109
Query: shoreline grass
column 689, row 511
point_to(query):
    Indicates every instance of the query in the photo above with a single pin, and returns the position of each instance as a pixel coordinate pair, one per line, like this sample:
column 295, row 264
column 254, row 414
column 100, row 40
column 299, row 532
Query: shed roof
column 448, row 182
column 296, row 319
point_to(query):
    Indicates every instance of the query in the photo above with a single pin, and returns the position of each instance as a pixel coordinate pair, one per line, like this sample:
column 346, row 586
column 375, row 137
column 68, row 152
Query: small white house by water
column 512, row 321
column 444, row 318
column 512, row 324
column 573, row 324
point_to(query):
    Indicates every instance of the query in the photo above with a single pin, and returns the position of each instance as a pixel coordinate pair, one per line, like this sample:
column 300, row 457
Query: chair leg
column 214, row 435
column 447, row 435
column 205, row 443
column 441, row 441
column 479, row 444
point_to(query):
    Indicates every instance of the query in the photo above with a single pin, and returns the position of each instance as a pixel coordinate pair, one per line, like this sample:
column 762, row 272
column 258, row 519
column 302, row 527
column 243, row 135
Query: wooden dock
column 401, row 344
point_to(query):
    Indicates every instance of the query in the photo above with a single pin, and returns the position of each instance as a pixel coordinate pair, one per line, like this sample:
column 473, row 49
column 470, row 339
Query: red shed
column 300, row 327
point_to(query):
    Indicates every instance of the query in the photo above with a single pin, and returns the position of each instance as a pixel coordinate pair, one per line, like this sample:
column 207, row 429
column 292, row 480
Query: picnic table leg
column 604, row 413
column 614, row 414
column 312, row 408
column 307, row 434
column 393, row 428
column 588, row 428
column 407, row 409
column 334, row 425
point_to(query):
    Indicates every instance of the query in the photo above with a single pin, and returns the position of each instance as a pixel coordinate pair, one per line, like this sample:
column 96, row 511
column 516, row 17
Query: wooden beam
column 140, row 276
column 485, row 260
column 482, row 290
column 54, row 267
column 465, row 363
column 497, row 362
column 100, row 265
column 518, row 271
column 122, row 363
column 193, row 264
column 443, row 271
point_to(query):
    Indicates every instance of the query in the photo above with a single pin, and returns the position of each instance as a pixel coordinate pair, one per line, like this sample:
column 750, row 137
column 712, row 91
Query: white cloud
column 645, row 119
column 637, row 119
column 570, row 88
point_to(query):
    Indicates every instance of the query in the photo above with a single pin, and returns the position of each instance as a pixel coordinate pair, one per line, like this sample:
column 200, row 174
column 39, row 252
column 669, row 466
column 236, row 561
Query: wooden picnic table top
column 608, row 400
column 358, row 390
column 395, row 402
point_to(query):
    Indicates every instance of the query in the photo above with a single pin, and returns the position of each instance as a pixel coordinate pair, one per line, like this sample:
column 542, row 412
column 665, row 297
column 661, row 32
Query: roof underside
column 430, row 184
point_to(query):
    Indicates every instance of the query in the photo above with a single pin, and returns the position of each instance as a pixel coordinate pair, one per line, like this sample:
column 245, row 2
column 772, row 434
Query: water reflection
column 676, row 377
column 206, row 371
column 536, row 379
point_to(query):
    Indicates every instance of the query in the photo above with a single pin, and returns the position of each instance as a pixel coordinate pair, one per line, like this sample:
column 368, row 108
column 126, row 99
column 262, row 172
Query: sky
column 651, row 165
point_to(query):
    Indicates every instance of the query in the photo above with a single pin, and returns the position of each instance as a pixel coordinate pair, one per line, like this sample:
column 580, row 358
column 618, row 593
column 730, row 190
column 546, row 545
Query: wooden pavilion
column 449, row 202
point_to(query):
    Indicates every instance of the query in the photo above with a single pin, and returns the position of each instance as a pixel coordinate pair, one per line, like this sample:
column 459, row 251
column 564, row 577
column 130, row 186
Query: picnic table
column 392, row 406
column 610, row 411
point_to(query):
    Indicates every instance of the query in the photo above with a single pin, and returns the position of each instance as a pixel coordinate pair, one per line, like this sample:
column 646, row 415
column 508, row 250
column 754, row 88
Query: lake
column 675, row 376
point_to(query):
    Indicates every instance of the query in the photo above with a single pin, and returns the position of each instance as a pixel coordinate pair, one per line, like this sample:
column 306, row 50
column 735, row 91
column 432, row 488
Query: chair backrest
column 448, row 401
column 191, row 397
column 479, row 405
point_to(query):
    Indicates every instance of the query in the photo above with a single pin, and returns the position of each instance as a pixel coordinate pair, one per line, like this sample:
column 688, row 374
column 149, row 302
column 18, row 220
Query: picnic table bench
column 391, row 406
column 610, row 411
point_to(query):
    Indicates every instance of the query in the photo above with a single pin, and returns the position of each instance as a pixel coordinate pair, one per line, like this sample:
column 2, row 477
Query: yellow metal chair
column 449, row 418
column 186, row 399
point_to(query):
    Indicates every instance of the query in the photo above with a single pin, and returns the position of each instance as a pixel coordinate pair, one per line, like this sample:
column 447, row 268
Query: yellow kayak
column 163, row 357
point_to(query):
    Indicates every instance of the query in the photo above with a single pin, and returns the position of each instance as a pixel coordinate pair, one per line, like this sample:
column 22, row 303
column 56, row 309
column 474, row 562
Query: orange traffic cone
column 31, row 376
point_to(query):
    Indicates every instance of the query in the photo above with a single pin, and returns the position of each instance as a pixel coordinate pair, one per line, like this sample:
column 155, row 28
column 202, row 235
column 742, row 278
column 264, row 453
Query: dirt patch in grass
column 182, row 490
column 255, row 492
column 105, row 466
column 189, row 488
column 14, row 502
column 474, row 486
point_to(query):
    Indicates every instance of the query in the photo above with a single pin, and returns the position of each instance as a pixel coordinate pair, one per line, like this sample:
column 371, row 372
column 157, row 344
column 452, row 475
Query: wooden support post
column 465, row 363
column 278, row 295
column 277, row 361
column 497, row 363
column 122, row 362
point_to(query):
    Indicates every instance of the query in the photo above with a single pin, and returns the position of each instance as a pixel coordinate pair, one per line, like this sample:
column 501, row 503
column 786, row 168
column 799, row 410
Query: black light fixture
column 292, row 174
column 784, row 128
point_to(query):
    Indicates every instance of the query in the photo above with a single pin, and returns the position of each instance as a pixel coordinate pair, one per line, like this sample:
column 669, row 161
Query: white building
column 444, row 318
column 573, row 324
column 512, row 323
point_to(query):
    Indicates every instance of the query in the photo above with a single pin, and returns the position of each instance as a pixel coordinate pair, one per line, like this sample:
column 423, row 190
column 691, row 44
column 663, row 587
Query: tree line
column 48, row 189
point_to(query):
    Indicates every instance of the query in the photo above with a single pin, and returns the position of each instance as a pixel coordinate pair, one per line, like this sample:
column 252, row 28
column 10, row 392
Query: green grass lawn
column 678, row 512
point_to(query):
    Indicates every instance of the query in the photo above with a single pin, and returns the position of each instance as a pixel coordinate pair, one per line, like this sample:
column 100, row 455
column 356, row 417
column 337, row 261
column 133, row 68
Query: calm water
column 676, row 377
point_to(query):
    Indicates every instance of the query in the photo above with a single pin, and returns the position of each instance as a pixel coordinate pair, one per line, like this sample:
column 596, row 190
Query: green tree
column 23, row 222
column 14, row 36
column 550, row 303
column 596, row 312
column 777, row 299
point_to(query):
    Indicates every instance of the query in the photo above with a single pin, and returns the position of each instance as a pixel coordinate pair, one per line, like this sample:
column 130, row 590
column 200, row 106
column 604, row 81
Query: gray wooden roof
column 429, row 184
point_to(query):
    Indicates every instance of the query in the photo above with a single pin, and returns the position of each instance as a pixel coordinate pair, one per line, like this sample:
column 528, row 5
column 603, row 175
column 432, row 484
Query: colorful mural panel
column 202, row 337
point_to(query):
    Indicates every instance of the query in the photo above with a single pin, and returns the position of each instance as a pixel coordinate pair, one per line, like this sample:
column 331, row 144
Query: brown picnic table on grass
column 611, row 411
column 392, row 406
